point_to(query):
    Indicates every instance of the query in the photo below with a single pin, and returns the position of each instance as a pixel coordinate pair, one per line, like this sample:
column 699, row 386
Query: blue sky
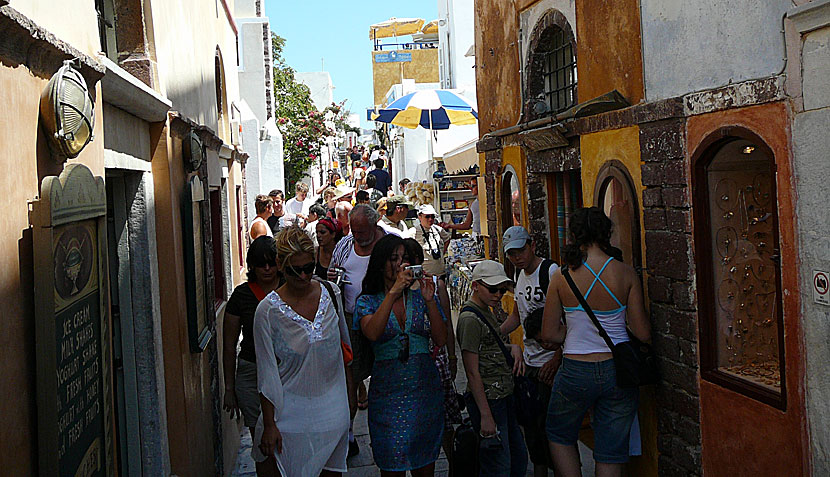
column 337, row 31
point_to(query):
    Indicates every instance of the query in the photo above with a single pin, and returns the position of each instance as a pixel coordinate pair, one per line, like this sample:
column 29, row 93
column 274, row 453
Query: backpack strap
column 544, row 275
column 495, row 334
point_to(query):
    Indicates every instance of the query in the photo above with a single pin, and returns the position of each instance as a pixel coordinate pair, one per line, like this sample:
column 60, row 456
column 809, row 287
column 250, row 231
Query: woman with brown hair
column 587, row 376
column 329, row 232
column 301, row 342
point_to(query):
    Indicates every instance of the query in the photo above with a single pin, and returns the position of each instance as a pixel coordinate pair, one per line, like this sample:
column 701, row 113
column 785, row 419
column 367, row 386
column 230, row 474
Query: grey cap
column 491, row 273
column 515, row 237
column 399, row 200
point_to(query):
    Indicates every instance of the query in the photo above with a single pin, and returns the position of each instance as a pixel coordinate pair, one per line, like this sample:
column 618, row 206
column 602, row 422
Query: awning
column 395, row 27
column 461, row 158
column 429, row 28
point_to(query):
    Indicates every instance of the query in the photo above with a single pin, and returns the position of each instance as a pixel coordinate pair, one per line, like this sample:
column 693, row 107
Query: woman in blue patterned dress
column 406, row 411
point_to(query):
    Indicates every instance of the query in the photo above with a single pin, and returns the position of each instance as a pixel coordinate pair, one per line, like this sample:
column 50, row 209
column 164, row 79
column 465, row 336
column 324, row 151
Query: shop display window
column 739, row 270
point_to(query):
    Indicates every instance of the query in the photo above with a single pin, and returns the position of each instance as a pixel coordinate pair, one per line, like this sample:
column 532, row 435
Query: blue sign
column 393, row 57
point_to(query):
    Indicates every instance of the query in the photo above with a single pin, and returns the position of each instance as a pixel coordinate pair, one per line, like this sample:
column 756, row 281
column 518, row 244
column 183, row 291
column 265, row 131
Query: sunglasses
column 308, row 269
column 429, row 216
column 403, row 354
column 494, row 290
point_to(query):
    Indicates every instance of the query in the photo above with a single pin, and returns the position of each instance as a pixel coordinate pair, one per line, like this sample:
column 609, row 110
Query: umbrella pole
column 431, row 159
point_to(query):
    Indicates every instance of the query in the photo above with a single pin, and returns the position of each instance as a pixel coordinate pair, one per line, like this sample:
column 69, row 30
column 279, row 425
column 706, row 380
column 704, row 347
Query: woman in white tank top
column 587, row 377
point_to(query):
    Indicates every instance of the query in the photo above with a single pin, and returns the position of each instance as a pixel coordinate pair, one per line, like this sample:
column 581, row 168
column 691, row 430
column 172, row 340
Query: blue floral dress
column 406, row 408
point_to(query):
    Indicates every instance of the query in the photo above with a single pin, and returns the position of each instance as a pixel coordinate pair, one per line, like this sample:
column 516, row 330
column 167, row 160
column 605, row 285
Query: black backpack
column 544, row 274
column 465, row 450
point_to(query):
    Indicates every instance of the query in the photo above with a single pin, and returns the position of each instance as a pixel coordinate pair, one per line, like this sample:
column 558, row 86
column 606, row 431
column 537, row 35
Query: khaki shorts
column 247, row 395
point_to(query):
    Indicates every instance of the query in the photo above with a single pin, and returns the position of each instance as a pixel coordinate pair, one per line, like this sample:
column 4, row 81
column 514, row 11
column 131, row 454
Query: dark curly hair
column 589, row 225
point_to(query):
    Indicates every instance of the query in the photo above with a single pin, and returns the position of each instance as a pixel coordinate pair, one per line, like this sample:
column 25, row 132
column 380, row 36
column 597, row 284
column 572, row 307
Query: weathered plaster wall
column 608, row 49
column 75, row 25
column 25, row 157
column 186, row 70
column 815, row 57
column 618, row 144
column 812, row 168
column 251, row 66
column 497, row 64
column 692, row 46
column 774, row 442
column 423, row 69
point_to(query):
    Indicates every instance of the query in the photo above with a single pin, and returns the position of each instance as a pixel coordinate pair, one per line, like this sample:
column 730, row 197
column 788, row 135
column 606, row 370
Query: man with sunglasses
column 434, row 239
column 489, row 393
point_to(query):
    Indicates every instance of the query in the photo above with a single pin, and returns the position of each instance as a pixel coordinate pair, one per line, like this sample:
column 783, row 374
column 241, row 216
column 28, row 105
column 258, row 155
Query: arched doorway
column 511, row 206
column 614, row 193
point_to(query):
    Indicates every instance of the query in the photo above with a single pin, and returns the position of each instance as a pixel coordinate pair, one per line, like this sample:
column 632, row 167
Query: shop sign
column 75, row 418
column 393, row 57
column 821, row 282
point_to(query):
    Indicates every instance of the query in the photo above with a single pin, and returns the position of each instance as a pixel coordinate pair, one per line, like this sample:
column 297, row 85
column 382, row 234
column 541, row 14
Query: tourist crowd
column 344, row 290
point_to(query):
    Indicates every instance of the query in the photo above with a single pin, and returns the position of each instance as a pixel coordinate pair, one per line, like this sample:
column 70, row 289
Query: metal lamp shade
column 67, row 110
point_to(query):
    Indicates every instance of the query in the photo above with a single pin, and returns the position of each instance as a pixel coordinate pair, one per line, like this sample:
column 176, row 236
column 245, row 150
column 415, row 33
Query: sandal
column 363, row 405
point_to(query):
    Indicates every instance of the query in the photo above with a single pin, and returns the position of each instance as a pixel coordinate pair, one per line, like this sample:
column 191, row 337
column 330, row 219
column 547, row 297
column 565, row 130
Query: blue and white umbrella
column 430, row 109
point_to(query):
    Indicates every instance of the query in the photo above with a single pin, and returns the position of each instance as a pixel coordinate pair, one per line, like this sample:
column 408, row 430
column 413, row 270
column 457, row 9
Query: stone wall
column 671, row 293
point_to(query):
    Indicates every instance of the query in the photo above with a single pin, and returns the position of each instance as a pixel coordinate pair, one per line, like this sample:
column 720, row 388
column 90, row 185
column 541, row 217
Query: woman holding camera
column 406, row 417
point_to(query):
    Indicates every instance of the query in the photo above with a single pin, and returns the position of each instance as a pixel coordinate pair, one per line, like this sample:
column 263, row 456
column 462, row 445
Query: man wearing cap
column 397, row 208
column 533, row 275
column 433, row 239
column 489, row 393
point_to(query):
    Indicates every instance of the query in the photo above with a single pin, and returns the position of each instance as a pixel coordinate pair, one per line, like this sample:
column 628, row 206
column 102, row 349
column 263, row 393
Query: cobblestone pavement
column 363, row 465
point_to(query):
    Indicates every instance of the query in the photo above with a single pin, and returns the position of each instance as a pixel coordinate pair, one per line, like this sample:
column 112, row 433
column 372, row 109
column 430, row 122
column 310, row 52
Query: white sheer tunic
column 300, row 371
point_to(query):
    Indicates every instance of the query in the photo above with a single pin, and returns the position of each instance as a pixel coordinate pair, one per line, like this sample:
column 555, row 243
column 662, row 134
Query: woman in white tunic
column 301, row 342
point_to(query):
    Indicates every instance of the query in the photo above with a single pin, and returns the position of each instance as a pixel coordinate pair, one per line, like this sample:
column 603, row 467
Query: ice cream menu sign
column 73, row 348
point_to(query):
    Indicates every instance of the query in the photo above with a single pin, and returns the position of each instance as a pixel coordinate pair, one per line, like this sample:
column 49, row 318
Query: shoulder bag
column 525, row 393
column 634, row 360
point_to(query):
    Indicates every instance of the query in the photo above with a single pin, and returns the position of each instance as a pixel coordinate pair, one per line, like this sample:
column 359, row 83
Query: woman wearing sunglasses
column 241, row 396
column 301, row 342
column 406, row 417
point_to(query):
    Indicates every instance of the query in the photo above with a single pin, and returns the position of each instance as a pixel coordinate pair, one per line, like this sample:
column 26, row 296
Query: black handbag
column 525, row 392
column 465, row 450
column 634, row 360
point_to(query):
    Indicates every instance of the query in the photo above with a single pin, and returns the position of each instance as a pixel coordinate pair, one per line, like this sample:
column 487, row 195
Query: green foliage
column 299, row 121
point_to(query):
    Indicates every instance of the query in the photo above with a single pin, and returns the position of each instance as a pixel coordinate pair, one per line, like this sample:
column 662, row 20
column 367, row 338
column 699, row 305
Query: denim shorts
column 577, row 387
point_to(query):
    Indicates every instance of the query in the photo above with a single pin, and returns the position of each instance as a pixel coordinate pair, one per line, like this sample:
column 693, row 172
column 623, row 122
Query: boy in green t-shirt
column 489, row 378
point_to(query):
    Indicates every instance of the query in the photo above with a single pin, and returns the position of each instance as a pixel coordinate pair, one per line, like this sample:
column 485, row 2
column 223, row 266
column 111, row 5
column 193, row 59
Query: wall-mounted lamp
column 748, row 149
column 68, row 110
column 194, row 152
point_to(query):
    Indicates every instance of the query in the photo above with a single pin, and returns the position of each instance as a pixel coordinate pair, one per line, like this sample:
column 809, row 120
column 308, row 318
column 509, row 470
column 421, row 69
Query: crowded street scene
column 451, row 238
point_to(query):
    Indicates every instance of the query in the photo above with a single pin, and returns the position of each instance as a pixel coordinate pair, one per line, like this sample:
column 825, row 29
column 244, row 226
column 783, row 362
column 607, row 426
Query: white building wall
column 694, row 46
column 252, row 74
column 456, row 35
column 811, row 44
column 319, row 82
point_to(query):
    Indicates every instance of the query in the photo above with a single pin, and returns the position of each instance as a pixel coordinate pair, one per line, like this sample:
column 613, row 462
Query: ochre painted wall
column 741, row 436
column 423, row 69
column 497, row 64
column 609, row 52
column 25, row 160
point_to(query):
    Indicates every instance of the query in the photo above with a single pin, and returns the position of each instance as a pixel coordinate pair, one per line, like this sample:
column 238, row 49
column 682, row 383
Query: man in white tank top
column 540, row 363
column 264, row 208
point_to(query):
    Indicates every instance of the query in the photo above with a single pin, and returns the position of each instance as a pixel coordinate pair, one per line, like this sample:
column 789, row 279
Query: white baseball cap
column 491, row 273
column 426, row 209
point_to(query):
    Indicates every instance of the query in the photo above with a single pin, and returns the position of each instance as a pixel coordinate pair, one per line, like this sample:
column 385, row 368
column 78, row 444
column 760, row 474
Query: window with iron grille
column 559, row 71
